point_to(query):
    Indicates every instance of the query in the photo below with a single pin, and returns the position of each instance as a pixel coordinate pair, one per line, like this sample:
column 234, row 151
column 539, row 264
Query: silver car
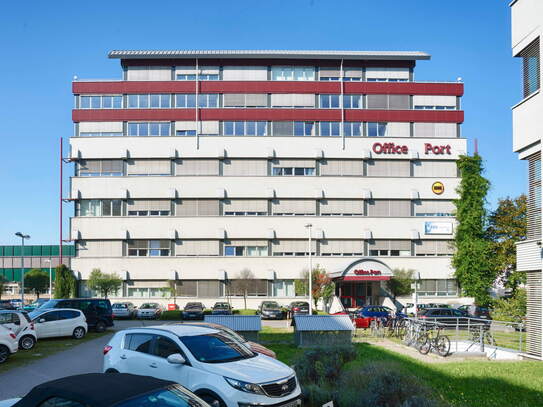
column 123, row 310
column 149, row 310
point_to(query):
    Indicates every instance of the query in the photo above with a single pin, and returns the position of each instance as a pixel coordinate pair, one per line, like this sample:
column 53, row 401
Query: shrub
column 383, row 385
column 171, row 316
column 315, row 395
column 322, row 365
column 244, row 312
column 511, row 309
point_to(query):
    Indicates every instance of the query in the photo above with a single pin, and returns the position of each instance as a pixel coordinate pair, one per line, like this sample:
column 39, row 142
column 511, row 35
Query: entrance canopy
column 363, row 270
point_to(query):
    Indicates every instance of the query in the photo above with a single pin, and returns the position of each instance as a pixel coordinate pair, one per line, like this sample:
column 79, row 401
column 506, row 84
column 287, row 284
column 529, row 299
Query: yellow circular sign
column 438, row 188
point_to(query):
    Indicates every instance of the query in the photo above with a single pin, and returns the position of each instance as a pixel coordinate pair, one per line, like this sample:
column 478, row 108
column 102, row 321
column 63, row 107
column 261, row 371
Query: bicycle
column 433, row 339
column 377, row 327
column 482, row 334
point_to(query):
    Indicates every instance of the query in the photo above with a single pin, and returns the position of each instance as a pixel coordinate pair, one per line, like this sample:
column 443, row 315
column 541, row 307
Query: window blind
column 100, row 248
column 533, row 212
column 148, row 167
column 434, row 100
column 352, row 72
column 283, row 128
column 149, row 205
column 209, row 127
column 389, row 168
column 433, row 247
column 434, row 168
column 104, row 127
column 197, row 166
column 342, row 167
column 197, row 247
column 394, row 208
column 387, row 73
column 197, row 207
column 430, row 130
column 428, row 207
column 245, row 205
column 294, row 206
column 342, row 246
column 329, row 72
column 245, row 73
column 294, row 163
column 186, row 125
column 290, row 246
column 342, row 206
column 531, row 77
column 245, row 167
column 398, row 129
column 390, row 245
column 149, row 73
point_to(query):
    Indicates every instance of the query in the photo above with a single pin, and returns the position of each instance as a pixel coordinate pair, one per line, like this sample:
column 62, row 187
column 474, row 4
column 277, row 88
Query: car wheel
column 212, row 399
column 100, row 326
column 4, row 353
column 27, row 342
column 79, row 332
column 111, row 371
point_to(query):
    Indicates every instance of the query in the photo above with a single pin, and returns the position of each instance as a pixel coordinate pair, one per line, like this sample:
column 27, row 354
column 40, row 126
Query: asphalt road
column 84, row 358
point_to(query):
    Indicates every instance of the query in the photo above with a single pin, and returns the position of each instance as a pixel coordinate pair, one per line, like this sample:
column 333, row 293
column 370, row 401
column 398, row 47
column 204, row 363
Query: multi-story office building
column 527, row 28
column 198, row 165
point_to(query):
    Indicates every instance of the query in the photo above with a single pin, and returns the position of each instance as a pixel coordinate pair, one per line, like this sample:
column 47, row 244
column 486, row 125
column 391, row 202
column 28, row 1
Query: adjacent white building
column 197, row 165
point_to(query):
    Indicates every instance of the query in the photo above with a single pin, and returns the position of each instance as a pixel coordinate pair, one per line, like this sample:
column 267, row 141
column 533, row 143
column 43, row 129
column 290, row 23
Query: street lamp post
column 309, row 226
column 23, row 237
column 50, row 279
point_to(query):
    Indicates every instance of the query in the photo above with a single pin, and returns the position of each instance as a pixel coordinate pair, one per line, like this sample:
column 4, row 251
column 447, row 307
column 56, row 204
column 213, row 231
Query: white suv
column 218, row 368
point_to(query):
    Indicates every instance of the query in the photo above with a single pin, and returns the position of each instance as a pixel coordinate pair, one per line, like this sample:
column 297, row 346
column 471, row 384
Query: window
column 186, row 132
column 197, row 207
column 245, row 100
column 185, row 100
column 283, row 288
column 530, row 68
column 329, row 129
column 208, row 100
column 287, row 171
column 352, row 129
column 392, row 74
column 377, row 129
column 50, row 316
column 100, row 134
column 246, row 248
column 329, row 101
column 434, row 102
column 147, row 167
column 100, row 168
column 291, row 207
column 352, row 101
column 291, row 247
column 253, row 288
column 245, row 207
column 245, row 167
column 388, row 208
column 342, row 207
column 148, row 129
column 534, row 196
column 437, row 288
column 67, row 314
column 304, row 128
column 152, row 101
column 434, row 248
column 434, row 208
column 60, row 402
column 100, row 207
column 385, row 102
column 100, row 102
column 329, row 74
column 150, row 207
column 292, row 73
column 138, row 342
column 388, row 168
column 165, row 347
column 342, row 247
column 245, row 128
column 197, row 247
column 148, row 248
column 389, row 248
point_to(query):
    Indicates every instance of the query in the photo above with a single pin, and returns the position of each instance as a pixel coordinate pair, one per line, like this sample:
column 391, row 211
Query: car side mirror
column 176, row 359
column 41, row 320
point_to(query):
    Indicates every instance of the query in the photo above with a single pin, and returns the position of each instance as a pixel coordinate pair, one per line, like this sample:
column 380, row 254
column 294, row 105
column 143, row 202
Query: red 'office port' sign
column 391, row 148
column 360, row 272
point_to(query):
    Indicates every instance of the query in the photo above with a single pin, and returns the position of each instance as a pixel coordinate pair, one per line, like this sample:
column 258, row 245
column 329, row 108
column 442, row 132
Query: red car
column 362, row 317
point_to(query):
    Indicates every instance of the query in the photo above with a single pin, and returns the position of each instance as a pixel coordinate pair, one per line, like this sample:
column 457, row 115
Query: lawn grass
column 44, row 348
column 464, row 383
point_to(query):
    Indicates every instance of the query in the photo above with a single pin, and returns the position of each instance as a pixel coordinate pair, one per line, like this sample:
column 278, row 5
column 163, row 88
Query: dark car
column 298, row 308
column 106, row 389
column 450, row 316
column 221, row 308
column 475, row 311
column 271, row 310
column 6, row 304
column 193, row 310
column 98, row 311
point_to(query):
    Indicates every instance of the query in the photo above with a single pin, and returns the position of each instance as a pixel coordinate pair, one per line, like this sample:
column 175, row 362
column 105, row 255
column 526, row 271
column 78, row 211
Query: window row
column 265, row 207
column 266, row 73
column 267, row 167
column 242, row 100
column 262, row 248
column 265, row 128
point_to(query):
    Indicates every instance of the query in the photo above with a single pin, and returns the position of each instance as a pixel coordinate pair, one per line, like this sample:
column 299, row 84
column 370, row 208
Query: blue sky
column 45, row 43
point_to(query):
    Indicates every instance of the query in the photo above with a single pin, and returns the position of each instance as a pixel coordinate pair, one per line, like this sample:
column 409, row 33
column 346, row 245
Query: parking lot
column 84, row 358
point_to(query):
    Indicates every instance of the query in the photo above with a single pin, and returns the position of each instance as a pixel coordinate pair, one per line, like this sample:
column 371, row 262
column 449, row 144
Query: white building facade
column 527, row 28
column 199, row 165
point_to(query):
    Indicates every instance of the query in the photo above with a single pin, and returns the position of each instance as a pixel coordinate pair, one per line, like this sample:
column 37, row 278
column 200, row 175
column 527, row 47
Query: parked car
column 271, row 310
column 193, row 310
column 256, row 347
column 8, row 344
column 35, row 305
column 124, row 310
column 215, row 366
column 450, row 316
column 98, row 311
column 149, row 310
column 6, row 304
column 221, row 308
column 50, row 323
column 298, row 308
column 20, row 324
column 115, row 390
column 362, row 317
column 17, row 303
column 476, row 311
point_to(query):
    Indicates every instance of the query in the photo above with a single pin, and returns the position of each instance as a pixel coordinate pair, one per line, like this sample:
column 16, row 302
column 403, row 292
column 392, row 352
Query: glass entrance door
column 355, row 295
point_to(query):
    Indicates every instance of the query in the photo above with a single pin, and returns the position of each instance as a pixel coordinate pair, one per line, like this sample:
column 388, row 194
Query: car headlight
column 244, row 386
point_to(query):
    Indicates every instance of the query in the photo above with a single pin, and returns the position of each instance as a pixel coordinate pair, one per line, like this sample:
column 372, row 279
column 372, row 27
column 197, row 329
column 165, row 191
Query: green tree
column 400, row 283
column 104, row 283
column 36, row 280
column 3, row 282
column 65, row 282
column 511, row 309
column 471, row 260
column 507, row 225
column 321, row 285
column 301, row 285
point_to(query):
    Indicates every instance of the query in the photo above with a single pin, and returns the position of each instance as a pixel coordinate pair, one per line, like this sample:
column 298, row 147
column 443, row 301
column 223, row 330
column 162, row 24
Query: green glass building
column 34, row 257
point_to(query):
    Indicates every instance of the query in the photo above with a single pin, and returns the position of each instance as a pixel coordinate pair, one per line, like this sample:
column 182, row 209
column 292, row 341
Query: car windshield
column 50, row 304
column 299, row 304
column 270, row 305
column 216, row 348
column 170, row 397
column 193, row 305
column 149, row 306
column 221, row 305
column 119, row 306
